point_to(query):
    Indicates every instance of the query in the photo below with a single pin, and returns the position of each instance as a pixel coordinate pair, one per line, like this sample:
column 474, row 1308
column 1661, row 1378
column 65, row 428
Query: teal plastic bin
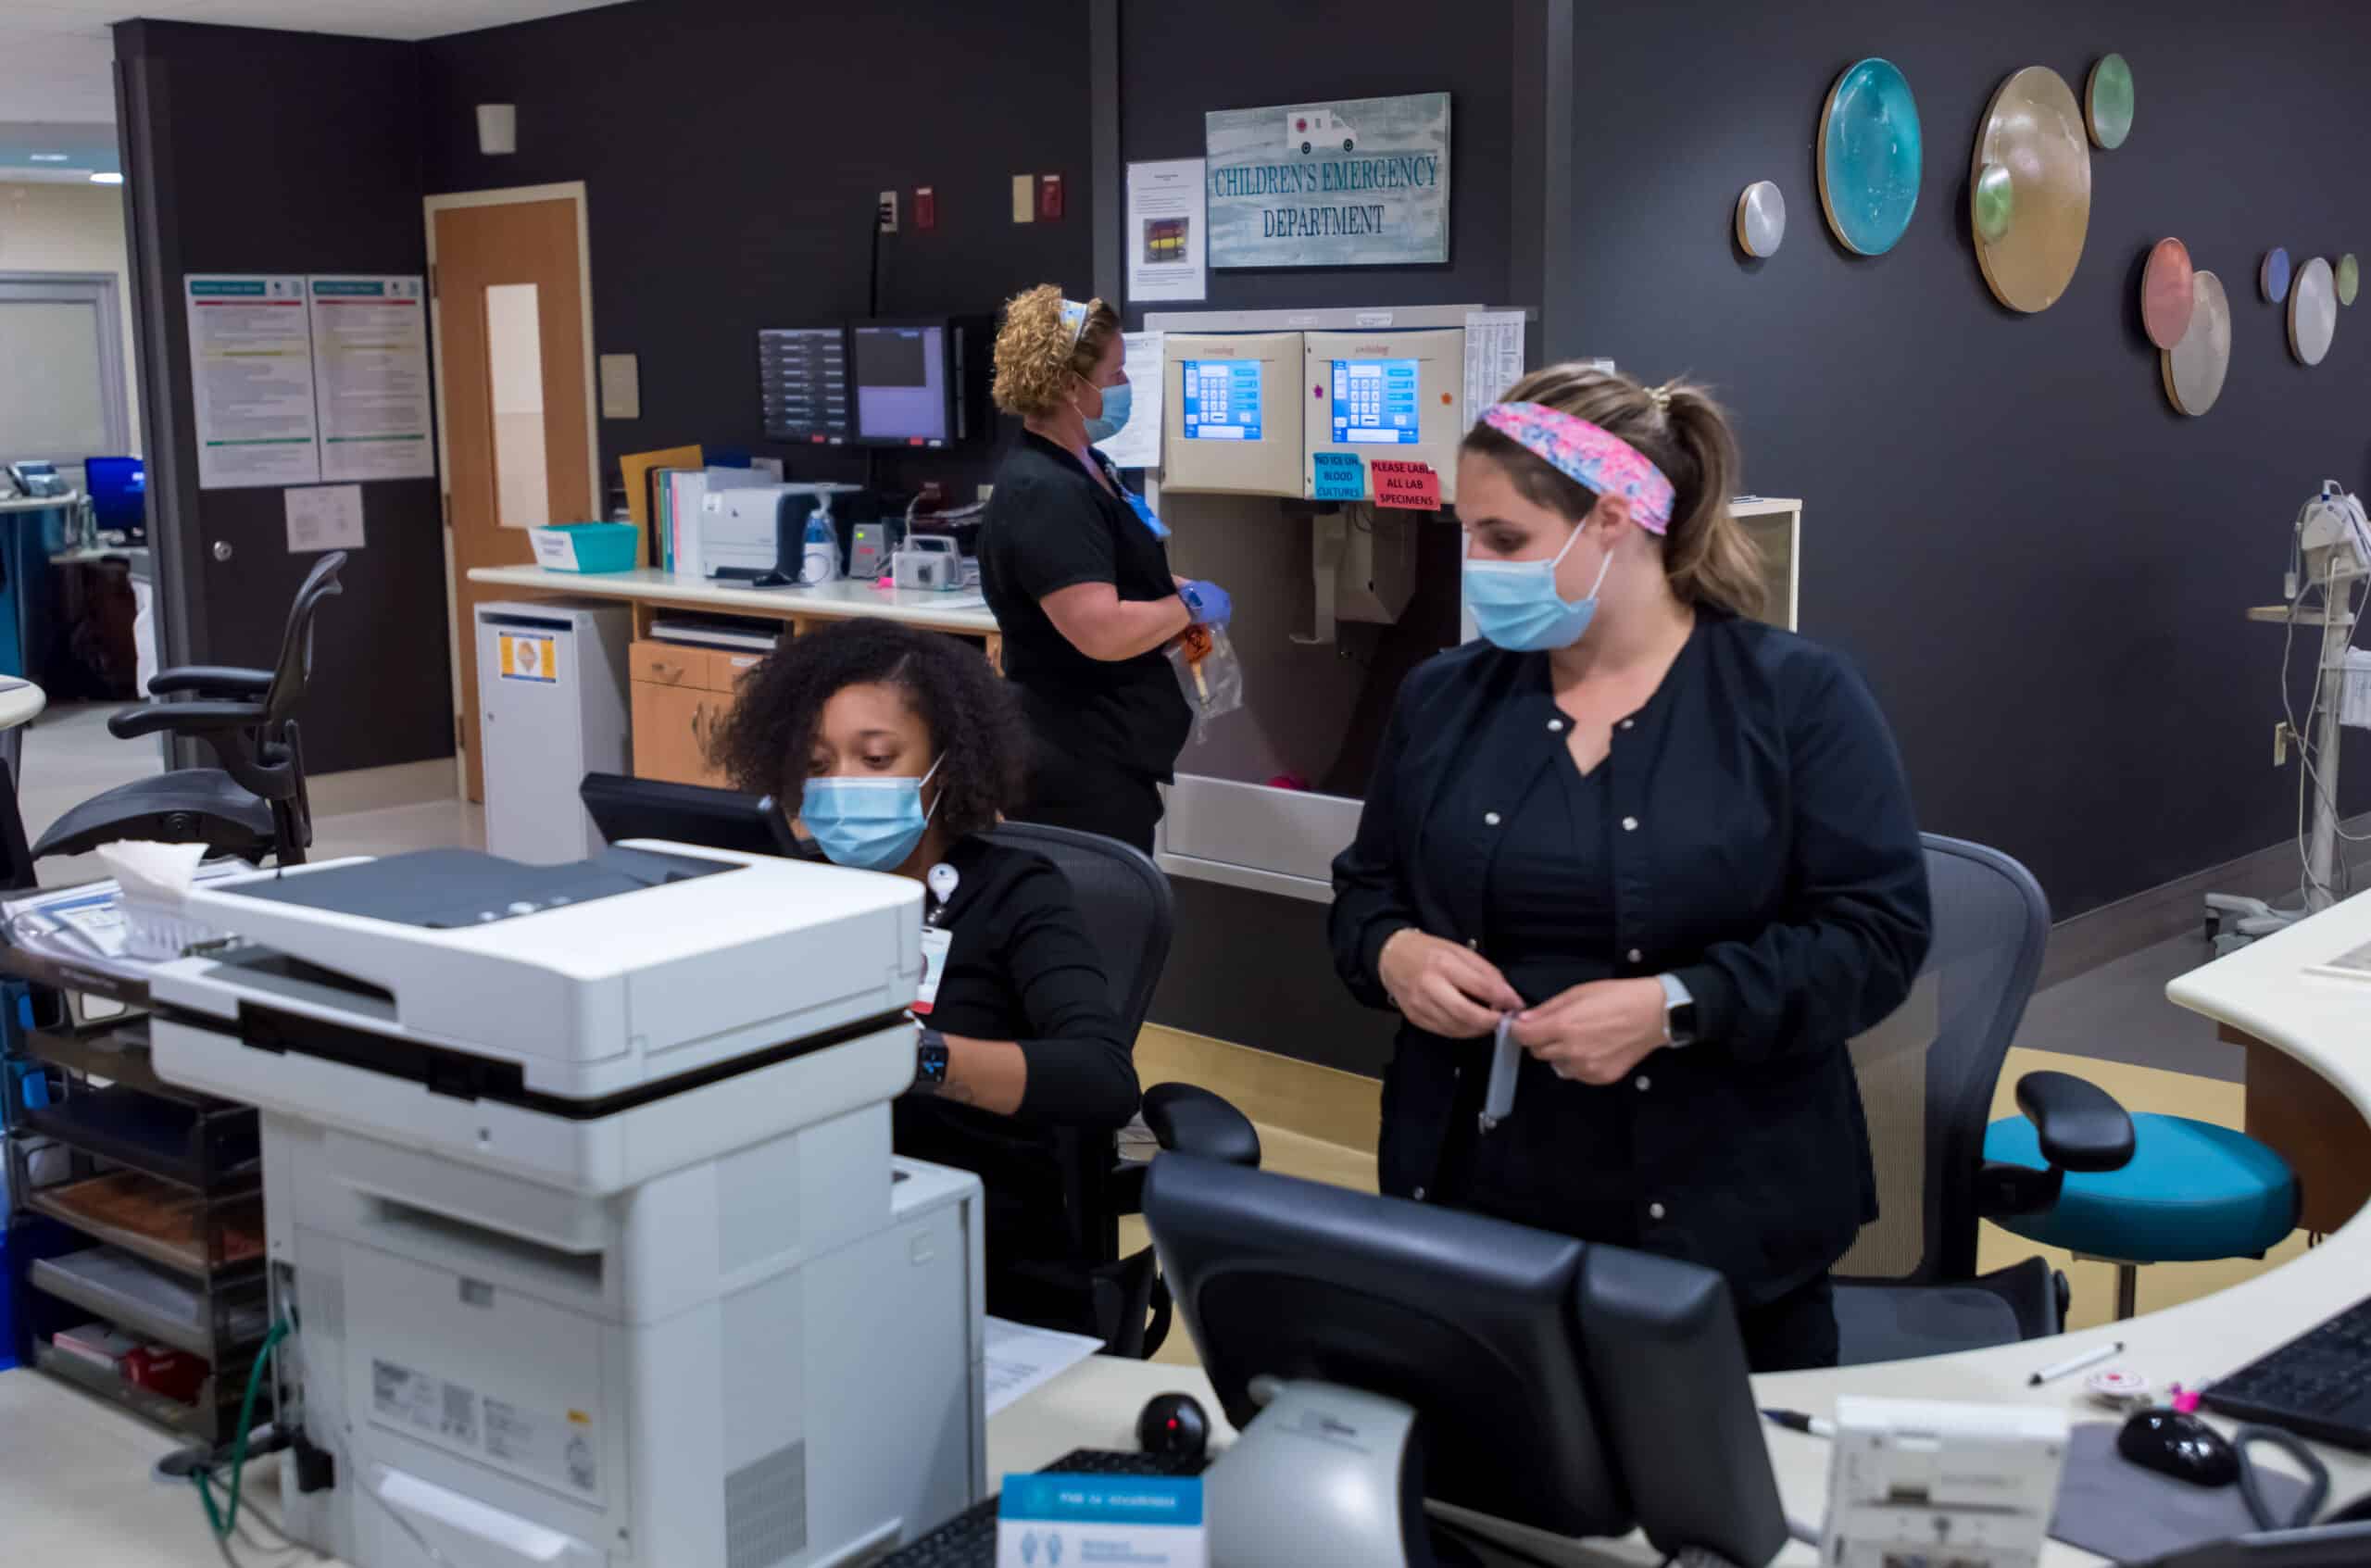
column 585, row 546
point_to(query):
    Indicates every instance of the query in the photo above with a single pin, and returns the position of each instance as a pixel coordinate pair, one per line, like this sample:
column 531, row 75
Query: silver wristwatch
column 1679, row 1012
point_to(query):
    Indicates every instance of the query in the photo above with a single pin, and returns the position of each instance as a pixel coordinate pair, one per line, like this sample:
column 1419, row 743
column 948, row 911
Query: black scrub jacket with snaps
column 1750, row 832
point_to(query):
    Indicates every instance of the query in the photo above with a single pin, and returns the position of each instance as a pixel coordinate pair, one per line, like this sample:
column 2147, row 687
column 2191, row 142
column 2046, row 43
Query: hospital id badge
column 936, row 940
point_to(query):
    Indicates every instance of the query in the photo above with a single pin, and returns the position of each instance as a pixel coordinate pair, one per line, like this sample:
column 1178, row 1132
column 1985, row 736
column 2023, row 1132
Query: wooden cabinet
column 681, row 697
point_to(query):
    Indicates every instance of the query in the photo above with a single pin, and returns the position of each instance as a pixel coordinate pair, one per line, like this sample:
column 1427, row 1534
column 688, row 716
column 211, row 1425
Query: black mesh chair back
column 293, row 668
column 1125, row 901
column 1928, row 1072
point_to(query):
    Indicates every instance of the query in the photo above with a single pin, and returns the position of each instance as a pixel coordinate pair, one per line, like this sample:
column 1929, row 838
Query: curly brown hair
column 974, row 721
column 1036, row 358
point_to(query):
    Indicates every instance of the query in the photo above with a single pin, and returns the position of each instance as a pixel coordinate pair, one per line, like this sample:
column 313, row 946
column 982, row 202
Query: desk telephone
column 33, row 477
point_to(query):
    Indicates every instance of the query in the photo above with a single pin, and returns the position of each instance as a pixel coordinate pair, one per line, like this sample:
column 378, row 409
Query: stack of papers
column 86, row 924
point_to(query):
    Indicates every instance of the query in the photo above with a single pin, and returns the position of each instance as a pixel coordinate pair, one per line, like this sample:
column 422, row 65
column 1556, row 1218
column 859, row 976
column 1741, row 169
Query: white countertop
column 71, row 1474
column 965, row 611
column 39, row 503
column 20, row 701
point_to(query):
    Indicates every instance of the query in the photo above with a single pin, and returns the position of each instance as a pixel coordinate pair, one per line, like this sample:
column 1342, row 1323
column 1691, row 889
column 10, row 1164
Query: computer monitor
column 119, row 490
column 680, row 813
column 904, row 383
column 803, row 384
column 1560, row 1387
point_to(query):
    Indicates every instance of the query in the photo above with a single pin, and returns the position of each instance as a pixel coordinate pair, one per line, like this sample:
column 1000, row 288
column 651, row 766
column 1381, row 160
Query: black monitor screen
column 803, row 379
column 901, row 386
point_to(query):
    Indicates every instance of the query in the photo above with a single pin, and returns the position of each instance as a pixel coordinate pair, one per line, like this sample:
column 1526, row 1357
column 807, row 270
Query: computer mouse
column 2181, row 1446
column 1173, row 1423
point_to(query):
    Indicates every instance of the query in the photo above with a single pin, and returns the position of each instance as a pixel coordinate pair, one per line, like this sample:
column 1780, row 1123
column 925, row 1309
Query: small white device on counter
column 578, row 1194
column 928, row 560
column 1919, row 1480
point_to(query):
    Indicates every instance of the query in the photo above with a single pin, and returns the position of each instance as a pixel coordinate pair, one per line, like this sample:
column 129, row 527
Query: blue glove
column 1207, row 603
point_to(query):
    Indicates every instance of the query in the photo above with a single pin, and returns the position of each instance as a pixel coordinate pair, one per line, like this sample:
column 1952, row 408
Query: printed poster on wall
column 251, row 380
column 1360, row 183
column 1168, row 227
column 370, row 377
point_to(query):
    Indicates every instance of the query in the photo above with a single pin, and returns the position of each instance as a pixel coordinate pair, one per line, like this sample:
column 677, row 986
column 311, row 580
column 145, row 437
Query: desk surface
column 841, row 600
column 39, row 503
column 69, row 1469
column 20, row 702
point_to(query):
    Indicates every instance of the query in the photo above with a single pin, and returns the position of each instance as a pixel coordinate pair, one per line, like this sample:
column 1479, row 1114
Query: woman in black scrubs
column 1076, row 568
column 899, row 747
column 1670, row 847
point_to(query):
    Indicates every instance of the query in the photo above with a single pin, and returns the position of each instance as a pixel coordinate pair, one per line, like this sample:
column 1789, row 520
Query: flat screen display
column 1374, row 401
column 901, row 390
column 803, row 379
column 1221, row 399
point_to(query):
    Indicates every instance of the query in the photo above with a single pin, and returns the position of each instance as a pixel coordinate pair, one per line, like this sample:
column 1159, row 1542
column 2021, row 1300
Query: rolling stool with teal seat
column 2192, row 1192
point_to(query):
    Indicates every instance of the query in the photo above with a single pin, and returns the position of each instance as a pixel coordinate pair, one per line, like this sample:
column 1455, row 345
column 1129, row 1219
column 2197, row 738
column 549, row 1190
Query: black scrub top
column 1050, row 526
column 1020, row 967
column 1548, row 926
column 1754, row 836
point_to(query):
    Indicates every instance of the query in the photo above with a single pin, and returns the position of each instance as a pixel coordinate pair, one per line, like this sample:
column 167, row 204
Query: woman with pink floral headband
column 1664, row 849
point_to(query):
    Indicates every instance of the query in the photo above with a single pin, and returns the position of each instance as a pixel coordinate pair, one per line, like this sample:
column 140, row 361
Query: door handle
column 222, row 550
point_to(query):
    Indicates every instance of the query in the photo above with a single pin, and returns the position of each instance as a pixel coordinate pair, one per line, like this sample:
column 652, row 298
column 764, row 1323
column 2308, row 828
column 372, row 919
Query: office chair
column 1909, row 1285
column 1129, row 912
column 255, row 803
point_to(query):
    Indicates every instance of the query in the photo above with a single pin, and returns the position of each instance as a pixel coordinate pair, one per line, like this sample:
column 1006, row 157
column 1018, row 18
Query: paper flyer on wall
column 1138, row 443
column 1493, row 357
column 251, row 380
column 1168, row 230
column 370, row 377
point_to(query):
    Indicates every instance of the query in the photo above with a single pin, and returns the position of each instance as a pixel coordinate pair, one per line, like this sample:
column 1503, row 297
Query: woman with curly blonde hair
column 1074, row 566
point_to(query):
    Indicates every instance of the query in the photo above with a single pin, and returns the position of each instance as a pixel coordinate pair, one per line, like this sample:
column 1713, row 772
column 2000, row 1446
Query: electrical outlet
column 2280, row 744
column 1025, row 198
column 888, row 212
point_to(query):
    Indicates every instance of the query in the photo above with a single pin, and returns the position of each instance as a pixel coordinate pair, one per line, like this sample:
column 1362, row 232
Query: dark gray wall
column 1248, row 966
column 281, row 151
column 2040, row 566
column 732, row 151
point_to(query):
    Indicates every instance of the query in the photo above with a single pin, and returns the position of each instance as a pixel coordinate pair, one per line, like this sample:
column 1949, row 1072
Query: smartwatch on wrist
column 930, row 1062
column 1679, row 1012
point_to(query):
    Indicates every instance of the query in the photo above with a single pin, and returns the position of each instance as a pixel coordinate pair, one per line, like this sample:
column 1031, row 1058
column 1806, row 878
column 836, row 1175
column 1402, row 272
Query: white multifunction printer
column 581, row 1205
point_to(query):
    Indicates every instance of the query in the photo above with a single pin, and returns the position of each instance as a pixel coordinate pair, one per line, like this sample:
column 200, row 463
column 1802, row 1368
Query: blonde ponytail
column 1708, row 557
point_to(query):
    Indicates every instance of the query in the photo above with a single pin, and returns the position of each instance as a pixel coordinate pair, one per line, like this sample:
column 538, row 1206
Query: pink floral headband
column 1593, row 457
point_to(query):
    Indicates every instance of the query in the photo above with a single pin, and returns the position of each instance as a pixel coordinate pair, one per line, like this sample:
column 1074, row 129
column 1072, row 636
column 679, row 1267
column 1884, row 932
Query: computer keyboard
column 2317, row 1385
column 969, row 1541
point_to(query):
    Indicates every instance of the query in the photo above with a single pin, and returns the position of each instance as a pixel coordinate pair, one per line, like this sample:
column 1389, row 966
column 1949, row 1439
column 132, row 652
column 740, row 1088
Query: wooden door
column 507, row 281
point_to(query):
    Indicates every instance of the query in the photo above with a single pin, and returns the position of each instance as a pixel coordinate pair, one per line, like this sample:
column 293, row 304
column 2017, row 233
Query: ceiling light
column 103, row 178
column 49, row 157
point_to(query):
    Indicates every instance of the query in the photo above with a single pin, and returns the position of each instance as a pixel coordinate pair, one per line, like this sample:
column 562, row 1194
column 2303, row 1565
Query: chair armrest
column 1187, row 1120
column 2080, row 1125
column 211, row 679
column 185, row 718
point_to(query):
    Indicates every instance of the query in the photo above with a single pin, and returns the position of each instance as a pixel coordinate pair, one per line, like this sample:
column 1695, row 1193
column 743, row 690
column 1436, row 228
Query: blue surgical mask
column 868, row 824
column 1108, row 423
column 1516, row 606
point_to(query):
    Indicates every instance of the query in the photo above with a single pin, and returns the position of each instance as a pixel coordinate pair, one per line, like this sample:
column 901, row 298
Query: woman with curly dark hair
column 899, row 748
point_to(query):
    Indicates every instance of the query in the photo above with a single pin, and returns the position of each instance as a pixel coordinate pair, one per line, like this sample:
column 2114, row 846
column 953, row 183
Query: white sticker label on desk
column 936, row 940
column 1059, row 1520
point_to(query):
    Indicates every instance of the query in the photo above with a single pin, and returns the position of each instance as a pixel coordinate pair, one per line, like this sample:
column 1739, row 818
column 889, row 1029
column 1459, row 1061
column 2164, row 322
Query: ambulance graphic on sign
column 1307, row 130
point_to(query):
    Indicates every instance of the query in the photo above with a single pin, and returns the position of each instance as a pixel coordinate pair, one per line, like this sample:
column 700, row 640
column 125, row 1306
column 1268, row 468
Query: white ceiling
column 56, row 54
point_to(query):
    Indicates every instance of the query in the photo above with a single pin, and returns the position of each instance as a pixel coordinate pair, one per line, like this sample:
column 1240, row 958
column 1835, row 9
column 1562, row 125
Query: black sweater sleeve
column 1371, row 902
column 1082, row 1073
column 1847, row 951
